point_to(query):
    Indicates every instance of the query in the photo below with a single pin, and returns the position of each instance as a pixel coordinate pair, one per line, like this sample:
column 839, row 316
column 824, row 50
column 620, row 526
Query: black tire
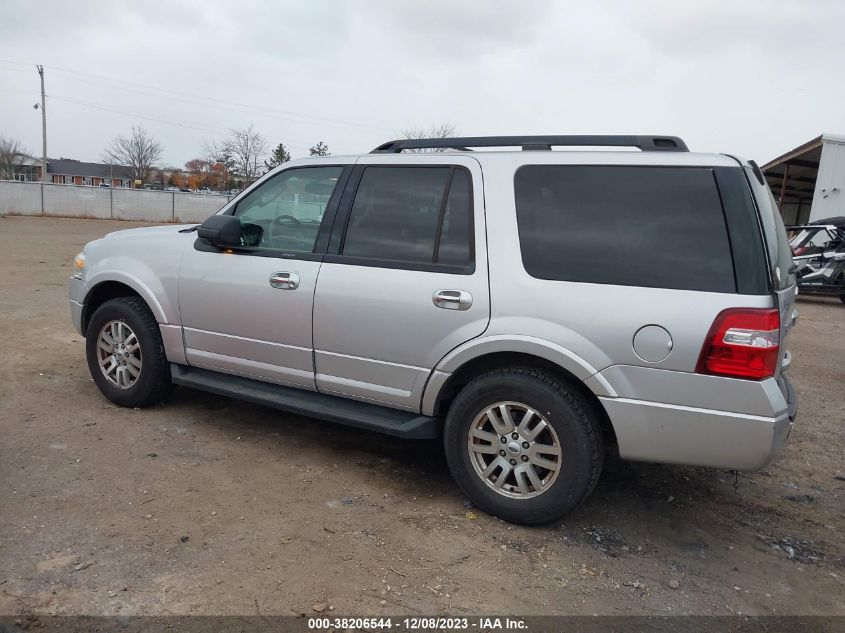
column 573, row 419
column 153, row 383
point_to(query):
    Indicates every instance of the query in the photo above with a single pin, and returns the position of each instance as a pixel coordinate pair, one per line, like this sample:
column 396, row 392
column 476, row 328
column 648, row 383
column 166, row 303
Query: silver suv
column 532, row 307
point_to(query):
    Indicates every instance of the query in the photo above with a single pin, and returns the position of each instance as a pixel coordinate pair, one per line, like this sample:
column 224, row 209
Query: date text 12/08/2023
column 418, row 623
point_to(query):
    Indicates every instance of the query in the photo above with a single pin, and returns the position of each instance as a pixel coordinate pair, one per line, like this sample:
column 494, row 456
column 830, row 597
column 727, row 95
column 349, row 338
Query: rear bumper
column 670, row 433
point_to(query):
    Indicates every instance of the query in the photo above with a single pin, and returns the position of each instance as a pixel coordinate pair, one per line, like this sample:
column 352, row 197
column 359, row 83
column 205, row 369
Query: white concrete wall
column 196, row 208
column 76, row 201
column 141, row 204
column 22, row 198
column 32, row 198
column 829, row 197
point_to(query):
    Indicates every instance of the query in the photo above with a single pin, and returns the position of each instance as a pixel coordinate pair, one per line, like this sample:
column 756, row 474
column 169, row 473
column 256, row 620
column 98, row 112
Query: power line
column 361, row 128
column 16, row 70
column 156, row 118
column 140, row 115
column 270, row 115
column 193, row 99
column 116, row 83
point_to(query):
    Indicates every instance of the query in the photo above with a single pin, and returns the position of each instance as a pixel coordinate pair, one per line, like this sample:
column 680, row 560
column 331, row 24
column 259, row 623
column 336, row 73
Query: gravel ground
column 206, row 505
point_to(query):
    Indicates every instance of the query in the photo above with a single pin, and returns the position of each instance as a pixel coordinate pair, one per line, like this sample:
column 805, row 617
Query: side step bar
column 361, row 415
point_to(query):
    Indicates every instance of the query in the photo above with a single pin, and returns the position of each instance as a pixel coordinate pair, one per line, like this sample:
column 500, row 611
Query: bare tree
column 11, row 155
column 242, row 153
column 139, row 151
column 216, row 152
column 440, row 130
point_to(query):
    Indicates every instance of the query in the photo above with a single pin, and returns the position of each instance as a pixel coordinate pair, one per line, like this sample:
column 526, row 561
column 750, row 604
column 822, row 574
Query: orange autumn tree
column 178, row 179
column 219, row 176
column 199, row 173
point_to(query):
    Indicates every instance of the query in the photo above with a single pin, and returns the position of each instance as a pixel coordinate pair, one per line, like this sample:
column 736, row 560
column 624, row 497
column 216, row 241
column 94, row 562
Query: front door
column 405, row 278
column 248, row 311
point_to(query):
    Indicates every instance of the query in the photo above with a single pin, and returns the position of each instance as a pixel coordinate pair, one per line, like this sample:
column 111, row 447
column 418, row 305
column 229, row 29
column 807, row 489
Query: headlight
column 79, row 266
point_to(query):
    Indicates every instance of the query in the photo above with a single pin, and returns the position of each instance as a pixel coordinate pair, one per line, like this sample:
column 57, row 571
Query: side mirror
column 223, row 231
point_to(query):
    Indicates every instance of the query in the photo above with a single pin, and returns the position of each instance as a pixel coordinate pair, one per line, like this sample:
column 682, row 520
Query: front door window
column 285, row 212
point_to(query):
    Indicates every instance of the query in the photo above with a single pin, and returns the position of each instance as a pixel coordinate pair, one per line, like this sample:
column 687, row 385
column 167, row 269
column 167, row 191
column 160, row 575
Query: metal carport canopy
column 792, row 176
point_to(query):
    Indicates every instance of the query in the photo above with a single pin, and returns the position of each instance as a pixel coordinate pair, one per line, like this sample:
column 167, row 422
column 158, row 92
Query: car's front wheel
column 522, row 445
column 126, row 355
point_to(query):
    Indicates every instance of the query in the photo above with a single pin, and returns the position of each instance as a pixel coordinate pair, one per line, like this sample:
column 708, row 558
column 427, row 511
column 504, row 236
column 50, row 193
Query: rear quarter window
column 777, row 241
column 659, row 227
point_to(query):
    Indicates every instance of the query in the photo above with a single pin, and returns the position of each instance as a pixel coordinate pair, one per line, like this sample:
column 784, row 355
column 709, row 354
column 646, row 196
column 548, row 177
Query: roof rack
column 464, row 143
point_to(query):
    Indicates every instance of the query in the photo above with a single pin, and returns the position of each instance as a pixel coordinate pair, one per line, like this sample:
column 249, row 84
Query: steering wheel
column 279, row 220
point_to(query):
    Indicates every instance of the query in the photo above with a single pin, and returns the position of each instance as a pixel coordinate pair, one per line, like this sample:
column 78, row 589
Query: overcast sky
column 751, row 78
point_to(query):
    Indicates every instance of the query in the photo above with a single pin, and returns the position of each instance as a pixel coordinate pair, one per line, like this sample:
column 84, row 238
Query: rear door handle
column 452, row 299
column 284, row 280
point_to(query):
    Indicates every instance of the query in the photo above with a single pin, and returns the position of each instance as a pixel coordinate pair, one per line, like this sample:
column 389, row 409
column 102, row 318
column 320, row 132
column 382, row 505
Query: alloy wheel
column 514, row 450
column 119, row 354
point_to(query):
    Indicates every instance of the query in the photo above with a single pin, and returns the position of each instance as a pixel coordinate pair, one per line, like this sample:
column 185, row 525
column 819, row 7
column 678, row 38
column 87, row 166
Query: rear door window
column 455, row 244
column 660, row 227
column 416, row 215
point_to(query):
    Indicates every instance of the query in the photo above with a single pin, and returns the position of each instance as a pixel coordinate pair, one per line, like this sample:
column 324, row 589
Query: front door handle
column 452, row 299
column 284, row 280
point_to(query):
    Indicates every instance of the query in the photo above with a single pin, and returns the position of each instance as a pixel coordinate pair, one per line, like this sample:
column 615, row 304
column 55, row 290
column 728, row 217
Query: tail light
column 742, row 343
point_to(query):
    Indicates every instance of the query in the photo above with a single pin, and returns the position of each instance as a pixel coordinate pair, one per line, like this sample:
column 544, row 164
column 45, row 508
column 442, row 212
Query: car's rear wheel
column 523, row 445
column 126, row 355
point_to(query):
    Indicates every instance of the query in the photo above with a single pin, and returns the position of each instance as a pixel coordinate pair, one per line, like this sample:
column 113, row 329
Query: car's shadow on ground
column 344, row 443
column 627, row 491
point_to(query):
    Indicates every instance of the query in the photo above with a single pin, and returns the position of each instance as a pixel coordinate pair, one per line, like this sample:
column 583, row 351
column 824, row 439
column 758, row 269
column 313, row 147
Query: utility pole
column 43, row 126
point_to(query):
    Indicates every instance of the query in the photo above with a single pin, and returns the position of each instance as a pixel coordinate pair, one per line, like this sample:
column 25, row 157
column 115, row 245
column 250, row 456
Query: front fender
column 141, row 279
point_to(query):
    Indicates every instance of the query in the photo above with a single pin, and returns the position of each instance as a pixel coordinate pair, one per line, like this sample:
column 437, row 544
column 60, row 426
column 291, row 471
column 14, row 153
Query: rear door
column 405, row 278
